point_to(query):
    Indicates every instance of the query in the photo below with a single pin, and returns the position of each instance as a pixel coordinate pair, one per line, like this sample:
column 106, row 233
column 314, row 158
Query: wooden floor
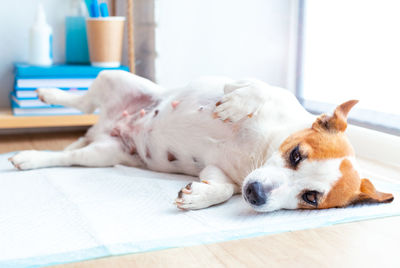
column 374, row 243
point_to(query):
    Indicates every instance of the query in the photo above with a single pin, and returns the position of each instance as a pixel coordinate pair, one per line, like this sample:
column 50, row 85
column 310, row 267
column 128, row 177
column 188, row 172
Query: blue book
column 23, row 70
column 38, row 111
column 28, row 94
column 35, row 103
column 34, row 83
column 24, row 102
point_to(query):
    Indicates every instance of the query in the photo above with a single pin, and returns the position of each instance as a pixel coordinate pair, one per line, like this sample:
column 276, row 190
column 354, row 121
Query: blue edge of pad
column 147, row 246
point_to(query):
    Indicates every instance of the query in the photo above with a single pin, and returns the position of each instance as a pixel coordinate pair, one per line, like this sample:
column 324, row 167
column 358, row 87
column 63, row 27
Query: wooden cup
column 105, row 36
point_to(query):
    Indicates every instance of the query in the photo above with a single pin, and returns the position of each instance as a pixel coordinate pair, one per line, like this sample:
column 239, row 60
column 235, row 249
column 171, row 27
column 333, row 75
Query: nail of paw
column 189, row 186
column 218, row 103
column 180, row 194
column 186, row 191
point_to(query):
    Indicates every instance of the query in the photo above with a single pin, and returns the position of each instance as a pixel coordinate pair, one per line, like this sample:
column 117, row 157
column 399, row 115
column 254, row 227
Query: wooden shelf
column 9, row 121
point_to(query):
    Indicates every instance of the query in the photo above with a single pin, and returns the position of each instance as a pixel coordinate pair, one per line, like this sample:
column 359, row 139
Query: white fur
column 220, row 153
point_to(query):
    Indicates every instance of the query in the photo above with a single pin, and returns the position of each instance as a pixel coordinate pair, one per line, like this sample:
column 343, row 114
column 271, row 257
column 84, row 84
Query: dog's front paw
column 194, row 196
column 28, row 160
column 237, row 105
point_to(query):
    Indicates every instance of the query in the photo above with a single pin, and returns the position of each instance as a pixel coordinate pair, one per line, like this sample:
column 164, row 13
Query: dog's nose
column 255, row 194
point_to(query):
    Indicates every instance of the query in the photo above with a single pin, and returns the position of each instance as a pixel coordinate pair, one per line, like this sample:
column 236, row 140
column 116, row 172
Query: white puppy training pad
column 58, row 215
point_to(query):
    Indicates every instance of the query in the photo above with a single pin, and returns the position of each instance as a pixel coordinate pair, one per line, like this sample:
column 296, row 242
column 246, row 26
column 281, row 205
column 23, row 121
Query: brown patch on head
column 317, row 145
column 325, row 139
column 350, row 189
column 338, row 121
column 368, row 194
column 343, row 191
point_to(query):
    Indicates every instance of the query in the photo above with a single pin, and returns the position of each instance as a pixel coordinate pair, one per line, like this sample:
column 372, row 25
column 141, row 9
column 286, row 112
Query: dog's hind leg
column 110, row 90
column 80, row 143
column 97, row 154
column 214, row 188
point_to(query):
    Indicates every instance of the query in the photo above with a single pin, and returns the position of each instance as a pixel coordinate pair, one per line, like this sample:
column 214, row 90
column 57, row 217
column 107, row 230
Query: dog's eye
column 295, row 156
column 311, row 197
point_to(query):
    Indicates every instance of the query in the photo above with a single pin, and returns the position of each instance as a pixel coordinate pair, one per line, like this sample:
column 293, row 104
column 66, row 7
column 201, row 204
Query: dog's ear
column 338, row 121
column 368, row 194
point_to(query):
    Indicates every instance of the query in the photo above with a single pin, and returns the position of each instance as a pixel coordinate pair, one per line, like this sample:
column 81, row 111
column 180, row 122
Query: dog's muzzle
column 254, row 194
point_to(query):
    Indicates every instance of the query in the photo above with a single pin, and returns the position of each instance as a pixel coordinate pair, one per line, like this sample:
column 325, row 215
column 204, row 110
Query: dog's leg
column 109, row 91
column 242, row 99
column 214, row 188
column 57, row 96
column 98, row 154
column 80, row 143
column 256, row 100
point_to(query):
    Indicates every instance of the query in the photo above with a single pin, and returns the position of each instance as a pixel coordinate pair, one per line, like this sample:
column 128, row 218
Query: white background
column 352, row 51
column 236, row 38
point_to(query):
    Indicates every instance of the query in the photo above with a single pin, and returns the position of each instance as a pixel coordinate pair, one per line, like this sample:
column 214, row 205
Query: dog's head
column 313, row 169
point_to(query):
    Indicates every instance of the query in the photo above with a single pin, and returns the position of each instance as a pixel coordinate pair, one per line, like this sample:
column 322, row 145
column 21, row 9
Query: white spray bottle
column 40, row 40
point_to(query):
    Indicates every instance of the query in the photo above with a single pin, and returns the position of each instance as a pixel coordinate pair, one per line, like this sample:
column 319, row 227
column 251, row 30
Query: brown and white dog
column 236, row 136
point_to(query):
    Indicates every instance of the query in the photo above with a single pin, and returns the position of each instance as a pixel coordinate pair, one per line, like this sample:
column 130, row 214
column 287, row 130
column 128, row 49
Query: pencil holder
column 105, row 36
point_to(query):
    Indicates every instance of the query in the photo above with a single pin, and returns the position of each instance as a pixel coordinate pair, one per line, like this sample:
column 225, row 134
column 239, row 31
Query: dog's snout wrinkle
column 255, row 194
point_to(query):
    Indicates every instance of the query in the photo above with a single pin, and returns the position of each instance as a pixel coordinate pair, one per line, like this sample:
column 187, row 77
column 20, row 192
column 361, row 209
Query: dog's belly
column 180, row 135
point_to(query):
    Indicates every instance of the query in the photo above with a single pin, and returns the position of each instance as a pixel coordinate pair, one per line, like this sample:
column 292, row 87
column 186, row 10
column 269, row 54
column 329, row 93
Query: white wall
column 16, row 18
column 237, row 38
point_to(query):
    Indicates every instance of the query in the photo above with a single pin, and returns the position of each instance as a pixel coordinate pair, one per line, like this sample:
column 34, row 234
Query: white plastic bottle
column 40, row 40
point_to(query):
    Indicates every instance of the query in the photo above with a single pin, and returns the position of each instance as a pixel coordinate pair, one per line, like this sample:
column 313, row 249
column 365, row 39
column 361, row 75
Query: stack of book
column 75, row 79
